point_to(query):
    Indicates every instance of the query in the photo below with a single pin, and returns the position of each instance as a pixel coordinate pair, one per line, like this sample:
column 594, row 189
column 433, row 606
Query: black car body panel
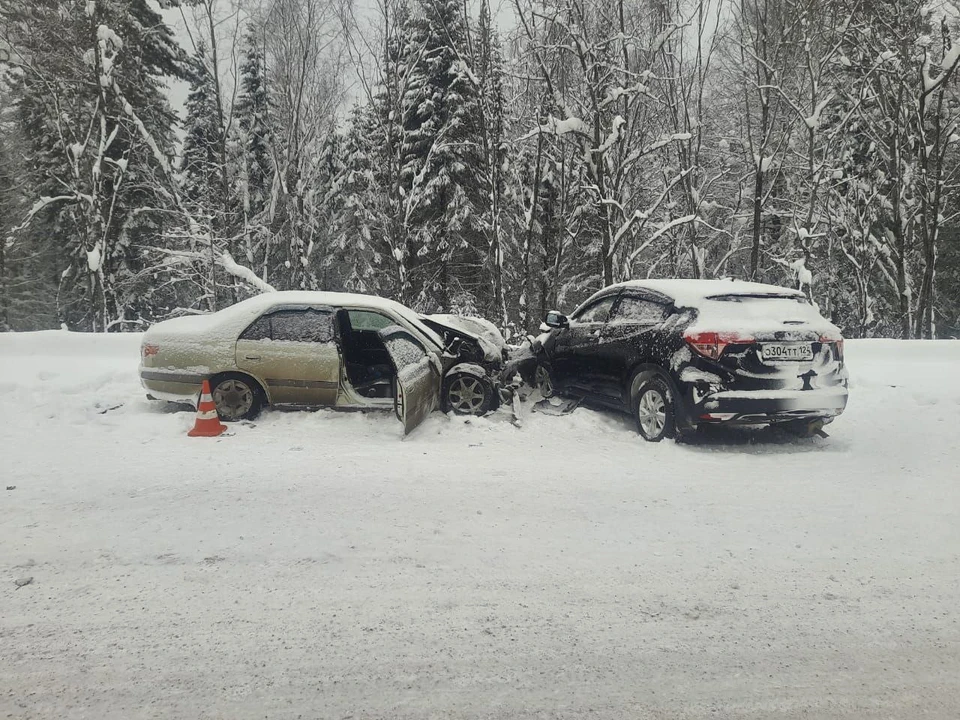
column 635, row 330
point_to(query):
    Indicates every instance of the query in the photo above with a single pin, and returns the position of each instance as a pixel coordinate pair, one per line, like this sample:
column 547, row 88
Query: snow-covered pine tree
column 202, row 171
column 203, row 136
column 10, row 209
column 489, row 77
column 88, row 80
column 440, row 155
column 323, row 204
column 360, row 251
column 254, row 151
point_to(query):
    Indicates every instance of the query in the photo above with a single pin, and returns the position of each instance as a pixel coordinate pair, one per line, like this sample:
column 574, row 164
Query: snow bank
column 563, row 567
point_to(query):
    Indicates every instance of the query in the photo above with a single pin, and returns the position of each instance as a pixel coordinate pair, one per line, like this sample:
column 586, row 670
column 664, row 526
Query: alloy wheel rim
column 544, row 383
column 465, row 394
column 233, row 399
column 652, row 413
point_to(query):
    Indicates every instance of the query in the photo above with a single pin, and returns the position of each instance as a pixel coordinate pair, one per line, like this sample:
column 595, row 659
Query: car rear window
column 302, row 326
column 761, row 298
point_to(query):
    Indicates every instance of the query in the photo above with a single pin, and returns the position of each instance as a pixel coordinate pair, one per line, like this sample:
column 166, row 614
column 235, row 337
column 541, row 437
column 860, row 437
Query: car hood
column 483, row 331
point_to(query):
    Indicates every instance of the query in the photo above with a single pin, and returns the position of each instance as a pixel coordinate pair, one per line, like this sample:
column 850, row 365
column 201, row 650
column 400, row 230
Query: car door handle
column 252, row 357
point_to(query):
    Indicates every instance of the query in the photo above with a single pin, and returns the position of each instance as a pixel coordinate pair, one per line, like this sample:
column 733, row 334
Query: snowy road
column 315, row 565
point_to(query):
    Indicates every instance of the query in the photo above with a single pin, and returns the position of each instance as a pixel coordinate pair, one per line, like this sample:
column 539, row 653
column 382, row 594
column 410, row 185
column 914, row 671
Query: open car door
column 418, row 377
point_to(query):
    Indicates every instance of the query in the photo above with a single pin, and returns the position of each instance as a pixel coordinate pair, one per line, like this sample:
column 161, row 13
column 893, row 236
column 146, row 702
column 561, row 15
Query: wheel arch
column 467, row 368
column 644, row 371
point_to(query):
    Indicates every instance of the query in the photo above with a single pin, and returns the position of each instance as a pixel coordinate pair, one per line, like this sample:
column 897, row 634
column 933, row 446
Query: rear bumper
column 768, row 406
column 172, row 386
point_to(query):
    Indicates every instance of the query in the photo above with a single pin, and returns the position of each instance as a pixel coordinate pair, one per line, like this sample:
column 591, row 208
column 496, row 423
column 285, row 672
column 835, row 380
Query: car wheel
column 543, row 381
column 466, row 394
column 653, row 410
column 237, row 397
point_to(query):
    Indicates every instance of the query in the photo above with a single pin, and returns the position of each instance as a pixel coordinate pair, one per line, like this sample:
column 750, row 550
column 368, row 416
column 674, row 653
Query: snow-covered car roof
column 259, row 303
column 238, row 316
column 709, row 297
column 691, row 292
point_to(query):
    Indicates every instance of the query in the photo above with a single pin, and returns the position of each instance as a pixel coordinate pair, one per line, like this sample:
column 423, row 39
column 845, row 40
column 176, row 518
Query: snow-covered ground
column 317, row 565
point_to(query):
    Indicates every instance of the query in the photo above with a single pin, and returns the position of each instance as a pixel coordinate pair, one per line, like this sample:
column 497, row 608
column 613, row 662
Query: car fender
column 469, row 369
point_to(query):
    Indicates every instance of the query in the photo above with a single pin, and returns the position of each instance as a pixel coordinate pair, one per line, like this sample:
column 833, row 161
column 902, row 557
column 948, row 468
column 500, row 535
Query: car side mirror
column 556, row 319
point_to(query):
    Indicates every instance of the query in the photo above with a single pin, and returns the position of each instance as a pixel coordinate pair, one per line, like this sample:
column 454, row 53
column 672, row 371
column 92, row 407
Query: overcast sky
column 174, row 17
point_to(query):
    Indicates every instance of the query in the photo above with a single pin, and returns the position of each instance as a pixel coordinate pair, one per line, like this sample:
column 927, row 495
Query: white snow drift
column 316, row 565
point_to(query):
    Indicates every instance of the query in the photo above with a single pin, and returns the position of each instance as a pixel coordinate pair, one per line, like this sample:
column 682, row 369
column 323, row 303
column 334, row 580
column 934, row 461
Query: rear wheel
column 653, row 410
column 237, row 397
column 467, row 395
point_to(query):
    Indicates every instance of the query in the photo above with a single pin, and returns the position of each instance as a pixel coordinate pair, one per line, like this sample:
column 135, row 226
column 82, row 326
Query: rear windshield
column 799, row 299
column 757, row 311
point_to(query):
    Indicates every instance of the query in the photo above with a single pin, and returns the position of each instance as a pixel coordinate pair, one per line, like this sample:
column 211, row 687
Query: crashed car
column 327, row 349
column 679, row 354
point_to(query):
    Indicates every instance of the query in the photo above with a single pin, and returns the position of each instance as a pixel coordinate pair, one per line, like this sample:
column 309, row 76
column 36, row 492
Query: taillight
column 150, row 350
column 712, row 344
column 837, row 342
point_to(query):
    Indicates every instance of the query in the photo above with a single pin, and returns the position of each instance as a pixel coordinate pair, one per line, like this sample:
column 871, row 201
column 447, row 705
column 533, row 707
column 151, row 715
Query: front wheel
column 466, row 394
column 653, row 410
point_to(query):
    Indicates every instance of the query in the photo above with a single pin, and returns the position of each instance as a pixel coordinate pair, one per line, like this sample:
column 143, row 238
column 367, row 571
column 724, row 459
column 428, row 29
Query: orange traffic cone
column 208, row 422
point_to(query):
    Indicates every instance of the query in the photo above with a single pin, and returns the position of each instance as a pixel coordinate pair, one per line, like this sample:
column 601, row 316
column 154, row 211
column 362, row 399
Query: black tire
column 543, row 380
column 466, row 394
column 237, row 396
column 653, row 410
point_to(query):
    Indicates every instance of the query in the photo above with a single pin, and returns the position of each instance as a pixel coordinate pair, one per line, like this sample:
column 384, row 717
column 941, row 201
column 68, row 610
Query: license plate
column 786, row 351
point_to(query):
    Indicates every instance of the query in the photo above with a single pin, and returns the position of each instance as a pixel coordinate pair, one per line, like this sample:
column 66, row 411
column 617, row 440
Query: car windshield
column 414, row 319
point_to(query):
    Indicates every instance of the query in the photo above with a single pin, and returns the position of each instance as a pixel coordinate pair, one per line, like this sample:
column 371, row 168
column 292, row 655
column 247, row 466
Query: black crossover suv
column 676, row 354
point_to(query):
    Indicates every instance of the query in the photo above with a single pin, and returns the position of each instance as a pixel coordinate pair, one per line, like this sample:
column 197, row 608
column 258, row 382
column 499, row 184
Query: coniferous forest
column 497, row 161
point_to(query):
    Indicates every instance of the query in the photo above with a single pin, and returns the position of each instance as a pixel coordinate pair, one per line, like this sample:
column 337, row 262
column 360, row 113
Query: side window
column 366, row 320
column 404, row 350
column 259, row 330
column 638, row 310
column 596, row 313
column 302, row 326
